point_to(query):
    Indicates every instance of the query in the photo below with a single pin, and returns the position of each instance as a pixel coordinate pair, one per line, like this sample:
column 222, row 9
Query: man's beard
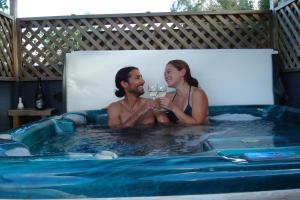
column 136, row 92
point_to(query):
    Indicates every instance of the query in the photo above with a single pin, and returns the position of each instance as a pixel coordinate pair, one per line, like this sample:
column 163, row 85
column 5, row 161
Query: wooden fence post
column 16, row 40
column 274, row 24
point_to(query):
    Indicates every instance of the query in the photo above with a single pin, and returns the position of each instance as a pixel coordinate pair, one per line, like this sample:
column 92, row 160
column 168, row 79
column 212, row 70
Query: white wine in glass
column 161, row 91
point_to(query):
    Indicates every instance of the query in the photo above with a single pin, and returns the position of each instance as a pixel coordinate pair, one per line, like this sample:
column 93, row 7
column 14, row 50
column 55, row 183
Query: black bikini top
column 188, row 109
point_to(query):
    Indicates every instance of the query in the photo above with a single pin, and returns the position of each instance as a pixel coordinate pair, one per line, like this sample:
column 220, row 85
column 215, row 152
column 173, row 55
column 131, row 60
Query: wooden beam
column 13, row 8
column 16, row 48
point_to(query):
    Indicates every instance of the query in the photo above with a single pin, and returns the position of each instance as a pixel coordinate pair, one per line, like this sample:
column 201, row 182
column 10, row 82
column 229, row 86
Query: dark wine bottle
column 39, row 96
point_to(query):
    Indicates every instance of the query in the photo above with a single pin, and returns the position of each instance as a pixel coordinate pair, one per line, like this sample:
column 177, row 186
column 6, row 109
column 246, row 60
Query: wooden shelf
column 16, row 114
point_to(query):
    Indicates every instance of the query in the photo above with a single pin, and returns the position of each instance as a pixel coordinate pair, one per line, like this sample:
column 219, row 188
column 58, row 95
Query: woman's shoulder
column 199, row 96
column 198, row 91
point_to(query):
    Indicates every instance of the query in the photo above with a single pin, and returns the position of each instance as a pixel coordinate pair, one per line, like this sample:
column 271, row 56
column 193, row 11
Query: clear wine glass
column 161, row 91
column 152, row 89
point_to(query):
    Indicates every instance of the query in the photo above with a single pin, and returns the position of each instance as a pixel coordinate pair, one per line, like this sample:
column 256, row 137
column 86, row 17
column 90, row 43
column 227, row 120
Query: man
column 132, row 109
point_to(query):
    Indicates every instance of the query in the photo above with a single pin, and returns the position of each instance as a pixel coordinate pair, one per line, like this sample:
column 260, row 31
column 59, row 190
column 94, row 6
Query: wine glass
column 161, row 91
column 152, row 89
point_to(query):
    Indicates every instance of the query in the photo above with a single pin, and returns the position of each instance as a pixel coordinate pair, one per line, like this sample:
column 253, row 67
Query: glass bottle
column 20, row 104
column 39, row 102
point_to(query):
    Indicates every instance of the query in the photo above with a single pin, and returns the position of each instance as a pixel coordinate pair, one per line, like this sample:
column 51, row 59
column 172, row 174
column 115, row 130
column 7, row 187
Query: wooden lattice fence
column 6, row 48
column 44, row 41
column 288, row 30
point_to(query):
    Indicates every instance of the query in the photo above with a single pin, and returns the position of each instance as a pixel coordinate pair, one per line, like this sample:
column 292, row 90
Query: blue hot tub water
column 243, row 148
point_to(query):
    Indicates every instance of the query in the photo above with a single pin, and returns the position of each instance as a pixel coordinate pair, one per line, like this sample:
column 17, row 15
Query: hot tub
column 243, row 149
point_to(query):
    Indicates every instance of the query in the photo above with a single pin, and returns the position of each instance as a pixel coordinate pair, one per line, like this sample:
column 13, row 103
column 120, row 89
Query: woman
column 188, row 104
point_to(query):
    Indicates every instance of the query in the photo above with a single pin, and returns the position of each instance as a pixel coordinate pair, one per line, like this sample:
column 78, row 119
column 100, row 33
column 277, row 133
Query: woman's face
column 172, row 75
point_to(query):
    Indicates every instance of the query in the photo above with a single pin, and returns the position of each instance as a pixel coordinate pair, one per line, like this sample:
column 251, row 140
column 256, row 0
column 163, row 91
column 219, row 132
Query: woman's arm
column 161, row 117
column 199, row 106
column 200, row 109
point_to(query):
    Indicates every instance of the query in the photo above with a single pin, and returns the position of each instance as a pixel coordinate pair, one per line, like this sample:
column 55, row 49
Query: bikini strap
column 189, row 95
column 174, row 96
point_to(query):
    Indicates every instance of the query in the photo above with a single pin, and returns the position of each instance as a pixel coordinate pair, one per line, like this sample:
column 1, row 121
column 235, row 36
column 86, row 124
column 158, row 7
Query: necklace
column 128, row 108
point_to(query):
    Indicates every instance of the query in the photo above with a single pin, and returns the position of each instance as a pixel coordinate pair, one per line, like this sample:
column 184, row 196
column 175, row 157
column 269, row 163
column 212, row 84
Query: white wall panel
column 229, row 76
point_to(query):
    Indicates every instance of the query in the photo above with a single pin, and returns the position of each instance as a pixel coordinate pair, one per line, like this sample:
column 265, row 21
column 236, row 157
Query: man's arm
column 114, row 118
column 134, row 117
column 113, row 111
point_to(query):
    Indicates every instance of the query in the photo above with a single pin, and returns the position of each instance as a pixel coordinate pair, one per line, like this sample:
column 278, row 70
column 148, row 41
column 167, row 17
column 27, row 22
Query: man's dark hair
column 122, row 75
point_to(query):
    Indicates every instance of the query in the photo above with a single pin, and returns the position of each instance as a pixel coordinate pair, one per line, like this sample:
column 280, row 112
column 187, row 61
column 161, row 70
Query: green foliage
column 187, row 5
column 3, row 5
column 210, row 5
column 246, row 5
column 264, row 4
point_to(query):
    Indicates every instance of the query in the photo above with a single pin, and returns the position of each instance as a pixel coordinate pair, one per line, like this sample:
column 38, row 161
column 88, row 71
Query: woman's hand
column 166, row 103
